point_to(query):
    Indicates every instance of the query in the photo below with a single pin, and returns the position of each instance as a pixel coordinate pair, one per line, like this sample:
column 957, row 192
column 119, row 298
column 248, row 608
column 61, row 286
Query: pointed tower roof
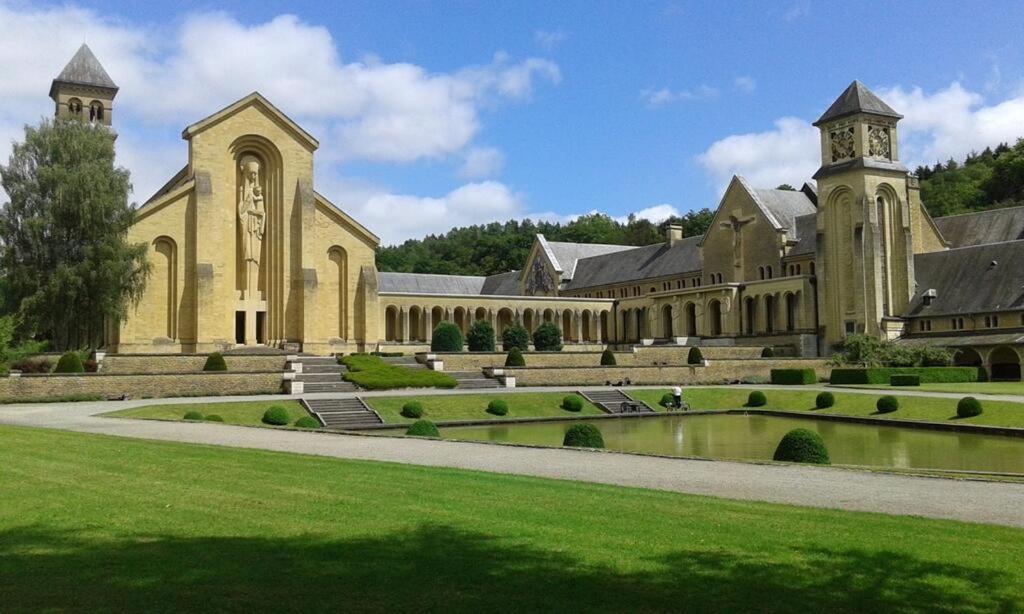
column 857, row 98
column 84, row 69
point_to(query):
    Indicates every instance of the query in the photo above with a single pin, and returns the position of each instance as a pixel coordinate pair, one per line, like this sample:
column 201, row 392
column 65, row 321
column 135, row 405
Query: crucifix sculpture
column 737, row 224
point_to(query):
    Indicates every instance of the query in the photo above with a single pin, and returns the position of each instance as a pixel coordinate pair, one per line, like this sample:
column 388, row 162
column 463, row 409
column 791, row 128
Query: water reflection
column 756, row 436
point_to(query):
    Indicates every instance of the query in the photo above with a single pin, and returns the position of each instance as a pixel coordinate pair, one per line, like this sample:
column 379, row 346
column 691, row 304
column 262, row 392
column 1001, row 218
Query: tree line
column 992, row 179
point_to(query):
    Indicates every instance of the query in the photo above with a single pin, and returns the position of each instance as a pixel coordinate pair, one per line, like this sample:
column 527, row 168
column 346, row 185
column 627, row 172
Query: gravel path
column 971, row 501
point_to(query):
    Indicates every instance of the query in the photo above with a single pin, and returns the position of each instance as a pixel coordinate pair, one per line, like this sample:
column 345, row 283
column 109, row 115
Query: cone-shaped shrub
column 756, row 399
column 583, row 436
column 215, row 362
column 412, row 409
column 276, row 415
column 515, row 358
column 802, row 446
column 968, row 407
column 446, row 338
column 607, row 359
column 825, row 400
column 695, row 357
column 70, row 362
column 423, row 428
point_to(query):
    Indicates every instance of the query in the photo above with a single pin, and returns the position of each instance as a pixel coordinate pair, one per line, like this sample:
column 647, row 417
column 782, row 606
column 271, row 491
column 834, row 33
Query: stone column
column 579, row 326
column 599, row 327
column 428, row 316
column 404, row 337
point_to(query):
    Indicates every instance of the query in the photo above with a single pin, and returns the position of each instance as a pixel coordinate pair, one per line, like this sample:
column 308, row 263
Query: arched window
column 798, row 272
column 760, row 271
column 95, row 111
column 74, row 107
column 769, row 271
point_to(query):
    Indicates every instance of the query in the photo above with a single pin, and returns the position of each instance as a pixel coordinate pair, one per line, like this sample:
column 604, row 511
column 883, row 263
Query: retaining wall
column 38, row 387
column 643, row 356
column 121, row 364
column 716, row 371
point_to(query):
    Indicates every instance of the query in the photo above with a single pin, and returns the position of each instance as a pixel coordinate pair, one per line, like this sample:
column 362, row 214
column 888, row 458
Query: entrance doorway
column 240, row 327
column 261, row 322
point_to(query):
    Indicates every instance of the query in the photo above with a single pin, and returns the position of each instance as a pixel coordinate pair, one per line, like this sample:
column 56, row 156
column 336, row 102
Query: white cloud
column 745, row 84
column 797, row 10
column 482, row 162
column 656, row 214
column 549, row 39
column 787, row 154
column 663, row 96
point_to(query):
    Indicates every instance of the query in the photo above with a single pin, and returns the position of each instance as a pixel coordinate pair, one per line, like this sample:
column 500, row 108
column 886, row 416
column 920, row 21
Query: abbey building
column 246, row 252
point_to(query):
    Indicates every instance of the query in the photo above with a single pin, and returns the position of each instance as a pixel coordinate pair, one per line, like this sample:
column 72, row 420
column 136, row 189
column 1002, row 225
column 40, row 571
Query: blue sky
column 436, row 112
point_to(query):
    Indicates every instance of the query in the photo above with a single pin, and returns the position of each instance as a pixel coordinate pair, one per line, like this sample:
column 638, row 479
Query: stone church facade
column 246, row 252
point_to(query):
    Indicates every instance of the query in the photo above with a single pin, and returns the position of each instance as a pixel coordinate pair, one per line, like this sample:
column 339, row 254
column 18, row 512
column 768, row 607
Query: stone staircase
column 349, row 413
column 322, row 374
column 610, row 400
column 473, row 380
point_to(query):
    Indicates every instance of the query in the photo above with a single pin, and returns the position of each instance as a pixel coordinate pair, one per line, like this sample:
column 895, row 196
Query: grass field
column 472, row 406
column 996, row 413
column 240, row 412
column 95, row 523
column 965, row 388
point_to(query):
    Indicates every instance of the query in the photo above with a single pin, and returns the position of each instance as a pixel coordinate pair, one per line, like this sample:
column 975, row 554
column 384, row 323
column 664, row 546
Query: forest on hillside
column 991, row 179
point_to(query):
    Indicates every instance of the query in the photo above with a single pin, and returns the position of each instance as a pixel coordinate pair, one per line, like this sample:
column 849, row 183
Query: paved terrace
column 846, row 489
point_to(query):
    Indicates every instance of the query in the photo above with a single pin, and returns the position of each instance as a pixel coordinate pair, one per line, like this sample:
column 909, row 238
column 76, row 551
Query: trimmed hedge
column 446, row 338
column 794, row 377
column 756, row 399
column 887, row 404
column 480, row 337
column 193, row 415
column 497, row 407
column 372, row 373
column 423, row 428
column 905, row 380
column 968, row 407
column 515, row 336
column 215, row 362
column 694, row 357
column 802, row 446
column 583, row 436
column 307, row 422
column 515, row 358
column 883, row 375
column 412, row 409
column 572, row 403
column 70, row 362
column 824, row 400
column 276, row 415
column 667, row 400
column 767, row 353
column 608, row 359
column 547, row 338
column 214, row 418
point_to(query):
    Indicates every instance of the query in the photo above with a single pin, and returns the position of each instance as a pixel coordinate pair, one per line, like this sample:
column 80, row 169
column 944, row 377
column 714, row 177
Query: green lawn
column 965, row 388
column 472, row 406
column 996, row 413
column 243, row 412
column 372, row 373
column 93, row 523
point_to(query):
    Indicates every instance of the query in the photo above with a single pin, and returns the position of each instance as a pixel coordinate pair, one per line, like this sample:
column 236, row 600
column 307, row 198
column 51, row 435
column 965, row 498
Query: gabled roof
column 974, row 279
column 637, row 264
column 982, row 227
column 857, row 98
column 806, row 236
column 346, row 218
column 253, row 99
column 421, row 283
column 84, row 69
column 781, row 207
column 178, row 180
column 502, row 284
column 564, row 256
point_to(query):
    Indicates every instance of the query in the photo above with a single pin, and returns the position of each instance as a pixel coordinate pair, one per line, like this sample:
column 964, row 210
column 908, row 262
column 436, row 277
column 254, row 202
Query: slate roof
column 658, row 260
column 966, row 339
column 565, row 255
column 85, row 69
column 973, row 279
column 856, row 98
column 806, row 235
column 421, row 283
column 983, row 227
column 502, row 284
column 782, row 207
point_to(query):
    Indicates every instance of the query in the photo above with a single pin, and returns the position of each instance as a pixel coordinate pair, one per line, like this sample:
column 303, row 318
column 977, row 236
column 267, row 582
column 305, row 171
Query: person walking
column 677, row 396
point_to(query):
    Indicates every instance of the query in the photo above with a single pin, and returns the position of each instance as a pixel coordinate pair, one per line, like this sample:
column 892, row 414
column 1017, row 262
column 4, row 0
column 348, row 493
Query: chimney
column 673, row 234
column 929, row 296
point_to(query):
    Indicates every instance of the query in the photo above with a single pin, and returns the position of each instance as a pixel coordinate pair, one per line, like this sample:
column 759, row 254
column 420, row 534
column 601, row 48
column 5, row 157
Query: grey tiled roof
column 972, row 279
column 967, row 339
column 856, row 98
column 566, row 255
column 996, row 226
column 806, row 235
column 782, row 207
column 420, row 283
column 637, row 264
column 85, row 69
column 503, row 284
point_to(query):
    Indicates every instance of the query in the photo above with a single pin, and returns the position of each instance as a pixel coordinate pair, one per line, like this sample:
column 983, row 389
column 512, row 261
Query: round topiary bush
column 767, row 353
column 887, row 404
column 214, row 418
column 215, row 362
column 70, row 362
column 802, row 446
column 825, row 400
column 515, row 336
column 607, row 358
column 480, row 337
column 572, row 403
column 667, row 400
column 583, row 436
column 307, row 422
column 694, row 357
column 193, row 415
column 968, row 407
column 446, row 338
column 547, row 338
column 515, row 358
column 756, row 399
column 423, row 428
column 497, row 407
column 412, row 409
column 276, row 415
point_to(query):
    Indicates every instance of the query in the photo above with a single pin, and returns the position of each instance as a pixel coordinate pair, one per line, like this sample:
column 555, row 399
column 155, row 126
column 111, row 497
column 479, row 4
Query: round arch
column 1004, row 364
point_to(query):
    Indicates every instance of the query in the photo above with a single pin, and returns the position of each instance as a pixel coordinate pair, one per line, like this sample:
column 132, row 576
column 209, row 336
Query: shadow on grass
column 439, row 568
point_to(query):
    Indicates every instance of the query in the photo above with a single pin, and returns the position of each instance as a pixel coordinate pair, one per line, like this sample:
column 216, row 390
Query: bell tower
column 864, row 223
column 84, row 90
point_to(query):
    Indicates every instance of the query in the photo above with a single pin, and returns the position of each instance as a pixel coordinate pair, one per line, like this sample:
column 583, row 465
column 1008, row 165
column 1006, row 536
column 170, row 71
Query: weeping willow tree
column 68, row 269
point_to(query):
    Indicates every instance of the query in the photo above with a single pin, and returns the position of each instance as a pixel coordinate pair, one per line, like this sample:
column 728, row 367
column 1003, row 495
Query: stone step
column 611, row 400
column 340, row 386
column 318, row 360
column 318, row 377
column 308, row 368
column 347, row 413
